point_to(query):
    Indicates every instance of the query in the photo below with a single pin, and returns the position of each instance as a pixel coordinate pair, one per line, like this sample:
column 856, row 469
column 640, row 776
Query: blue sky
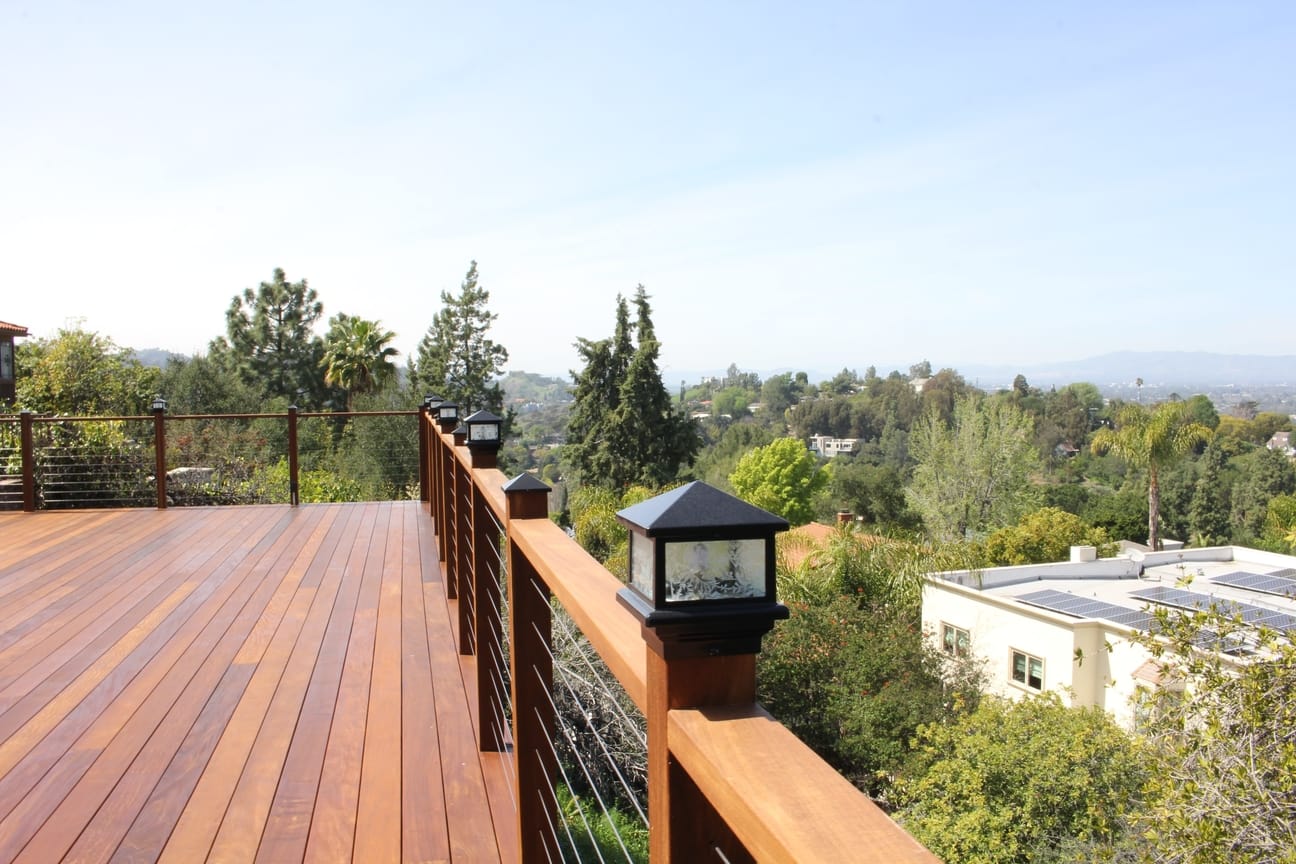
column 812, row 186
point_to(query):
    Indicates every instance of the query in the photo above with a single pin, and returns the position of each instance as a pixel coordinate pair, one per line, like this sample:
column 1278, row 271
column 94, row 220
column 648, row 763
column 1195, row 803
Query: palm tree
column 357, row 355
column 1151, row 439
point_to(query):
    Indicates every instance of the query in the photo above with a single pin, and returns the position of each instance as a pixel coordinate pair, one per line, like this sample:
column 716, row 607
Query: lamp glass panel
column 483, row 432
column 715, row 570
column 641, row 564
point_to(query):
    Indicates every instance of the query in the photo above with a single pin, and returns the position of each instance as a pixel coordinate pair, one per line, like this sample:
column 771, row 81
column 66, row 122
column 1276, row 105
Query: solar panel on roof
column 1264, row 583
column 1285, row 573
column 1177, row 598
column 1087, row 607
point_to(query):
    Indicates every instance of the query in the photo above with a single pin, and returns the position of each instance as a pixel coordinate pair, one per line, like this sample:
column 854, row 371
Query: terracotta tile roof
column 12, row 329
column 804, row 541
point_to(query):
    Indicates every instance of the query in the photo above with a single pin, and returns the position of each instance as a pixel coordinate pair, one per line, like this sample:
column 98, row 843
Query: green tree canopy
column 783, row 477
column 1043, row 536
column 270, row 340
column 1264, row 473
column 1152, row 440
column 82, row 373
column 1021, row 781
column 854, row 682
column 456, row 359
column 977, row 475
column 201, row 385
column 357, row 355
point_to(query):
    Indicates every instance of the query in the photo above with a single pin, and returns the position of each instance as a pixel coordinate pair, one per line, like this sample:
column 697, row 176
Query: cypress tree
column 623, row 428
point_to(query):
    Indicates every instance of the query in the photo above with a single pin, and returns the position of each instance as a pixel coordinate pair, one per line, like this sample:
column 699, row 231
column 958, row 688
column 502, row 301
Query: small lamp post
column 432, row 402
column 484, row 438
column 447, row 414
column 702, row 579
column 159, row 450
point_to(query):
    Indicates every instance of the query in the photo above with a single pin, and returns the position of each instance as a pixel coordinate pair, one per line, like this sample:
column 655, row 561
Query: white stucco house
column 827, row 447
column 1067, row 627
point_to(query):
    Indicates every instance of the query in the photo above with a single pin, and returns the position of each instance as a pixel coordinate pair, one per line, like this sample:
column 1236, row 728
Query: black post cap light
column 702, row 572
column 447, row 414
column 159, row 404
column 484, row 430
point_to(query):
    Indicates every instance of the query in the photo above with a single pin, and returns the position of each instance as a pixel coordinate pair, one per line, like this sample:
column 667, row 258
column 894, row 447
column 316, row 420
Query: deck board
column 237, row 684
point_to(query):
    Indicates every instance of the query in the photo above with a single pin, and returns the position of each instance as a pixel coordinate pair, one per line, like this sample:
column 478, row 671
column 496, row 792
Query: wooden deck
column 237, row 684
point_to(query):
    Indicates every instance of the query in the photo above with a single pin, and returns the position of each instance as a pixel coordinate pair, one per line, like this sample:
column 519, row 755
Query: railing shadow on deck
column 726, row 782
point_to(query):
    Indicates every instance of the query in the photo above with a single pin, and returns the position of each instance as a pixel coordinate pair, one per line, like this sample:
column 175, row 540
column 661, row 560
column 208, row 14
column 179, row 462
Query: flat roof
column 1260, row 586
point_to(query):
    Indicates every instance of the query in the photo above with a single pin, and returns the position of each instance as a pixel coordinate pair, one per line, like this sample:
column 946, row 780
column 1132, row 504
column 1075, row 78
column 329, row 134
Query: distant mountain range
column 1190, row 371
column 1182, row 370
column 1173, row 369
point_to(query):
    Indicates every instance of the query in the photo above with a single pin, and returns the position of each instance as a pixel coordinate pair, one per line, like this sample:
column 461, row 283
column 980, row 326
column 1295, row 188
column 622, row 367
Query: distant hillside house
column 1066, row 450
column 1067, row 627
column 827, row 447
column 1281, row 441
column 8, row 372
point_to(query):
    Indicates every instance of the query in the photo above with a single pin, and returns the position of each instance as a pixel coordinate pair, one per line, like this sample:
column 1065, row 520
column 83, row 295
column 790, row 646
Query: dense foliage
column 782, row 477
column 1222, row 743
column 1022, row 781
column 1042, row 536
column 856, row 681
column 80, row 373
column 976, row 473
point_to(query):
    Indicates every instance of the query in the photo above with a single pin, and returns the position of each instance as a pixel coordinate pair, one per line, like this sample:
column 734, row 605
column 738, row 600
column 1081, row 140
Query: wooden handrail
column 588, row 592
column 777, row 795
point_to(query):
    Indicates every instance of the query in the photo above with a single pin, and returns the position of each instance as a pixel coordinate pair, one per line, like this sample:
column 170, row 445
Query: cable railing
column 609, row 735
column 170, row 460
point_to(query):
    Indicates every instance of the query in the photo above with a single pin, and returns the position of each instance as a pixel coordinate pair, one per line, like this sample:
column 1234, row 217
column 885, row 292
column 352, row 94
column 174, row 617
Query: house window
column 1027, row 670
column 955, row 641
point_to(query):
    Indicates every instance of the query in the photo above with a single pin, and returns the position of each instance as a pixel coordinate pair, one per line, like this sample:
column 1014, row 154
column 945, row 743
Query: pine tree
column 623, row 427
column 270, row 341
column 456, row 360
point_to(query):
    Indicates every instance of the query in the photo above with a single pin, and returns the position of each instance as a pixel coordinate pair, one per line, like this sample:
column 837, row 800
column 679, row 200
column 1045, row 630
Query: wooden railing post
column 424, row 478
column 462, row 574
column 683, row 825
column 531, row 667
column 159, row 453
column 28, row 461
column 293, row 487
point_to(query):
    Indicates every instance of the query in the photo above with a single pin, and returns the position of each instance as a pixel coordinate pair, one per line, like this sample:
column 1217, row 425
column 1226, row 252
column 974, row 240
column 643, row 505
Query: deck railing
column 726, row 782
column 167, row 459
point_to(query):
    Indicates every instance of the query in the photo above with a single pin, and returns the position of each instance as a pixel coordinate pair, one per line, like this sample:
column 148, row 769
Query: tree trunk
column 1154, row 510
